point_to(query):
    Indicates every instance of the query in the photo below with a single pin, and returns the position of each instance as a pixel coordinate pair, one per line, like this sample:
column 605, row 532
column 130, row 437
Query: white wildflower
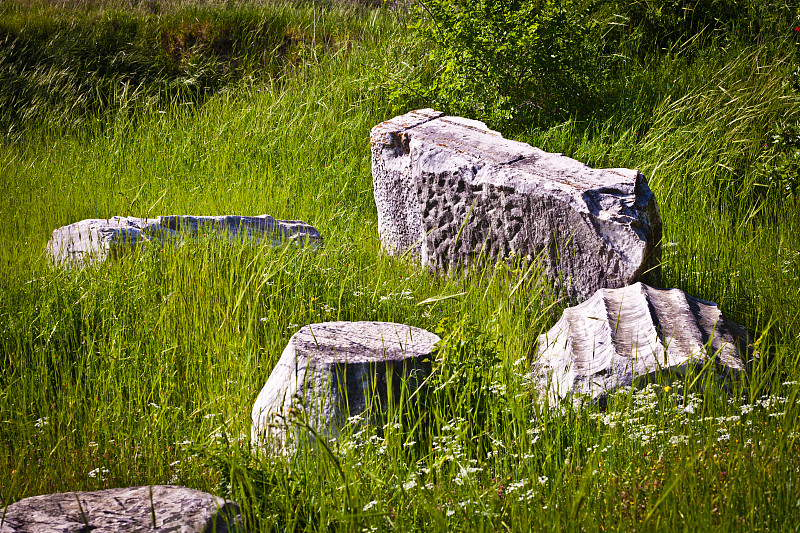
column 370, row 505
column 99, row 472
column 517, row 485
column 355, row 418
column 678, row 439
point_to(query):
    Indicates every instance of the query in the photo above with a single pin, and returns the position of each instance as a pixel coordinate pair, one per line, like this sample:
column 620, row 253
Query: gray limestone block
column 331, row 371
column 619, row 337
column 123, row 510
column 450, row 192
column 95, row 239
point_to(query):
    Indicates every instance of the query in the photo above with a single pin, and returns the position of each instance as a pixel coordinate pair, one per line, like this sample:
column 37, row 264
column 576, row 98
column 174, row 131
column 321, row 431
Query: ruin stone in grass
column 95, row 239
column 331, row 371
column 619, row 337
column 123, row 510
column 451, row 192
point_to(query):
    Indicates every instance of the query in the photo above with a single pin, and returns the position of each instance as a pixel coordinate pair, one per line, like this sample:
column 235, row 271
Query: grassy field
column 144, row 370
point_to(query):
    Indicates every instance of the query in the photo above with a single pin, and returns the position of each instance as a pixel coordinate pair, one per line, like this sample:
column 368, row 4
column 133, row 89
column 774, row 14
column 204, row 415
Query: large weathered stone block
column 331, row 371
column 160, row 508
column 94, row 239
column 450, row 191
column 619, row 336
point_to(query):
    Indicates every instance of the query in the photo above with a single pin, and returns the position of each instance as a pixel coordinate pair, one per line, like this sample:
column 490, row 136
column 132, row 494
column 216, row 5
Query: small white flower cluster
column 327, row 308
column 403, row 295
column 472, row 507
column 497, row 388
column 637, row 420
column 771, row 402
column 465, row 472
column 676, row 440
column 362, row 440
column 520, row 492
column 370, row 505
column 99, row 473
column 647, row 423
column 535, row 432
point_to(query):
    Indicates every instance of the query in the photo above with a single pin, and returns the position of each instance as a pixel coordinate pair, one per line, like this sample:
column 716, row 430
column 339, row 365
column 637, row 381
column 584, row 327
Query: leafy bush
column 508, row 62
column 538, row 62
column 780, row 170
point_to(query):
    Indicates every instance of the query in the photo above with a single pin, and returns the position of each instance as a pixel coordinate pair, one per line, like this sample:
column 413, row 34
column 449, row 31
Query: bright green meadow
column 144, row 369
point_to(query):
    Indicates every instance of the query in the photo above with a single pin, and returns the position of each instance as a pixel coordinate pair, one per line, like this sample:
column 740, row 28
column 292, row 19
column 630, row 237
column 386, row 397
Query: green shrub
column 509, row 62
column 779, row 170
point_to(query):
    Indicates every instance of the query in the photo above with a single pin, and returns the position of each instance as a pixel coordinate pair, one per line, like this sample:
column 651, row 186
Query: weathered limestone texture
column 620, row 336
column 126, row 510
column 94, row 239
column 335, row 370
column 449, row 191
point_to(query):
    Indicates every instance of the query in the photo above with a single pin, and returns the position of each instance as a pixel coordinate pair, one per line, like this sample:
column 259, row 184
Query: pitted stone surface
column 449, row 192
column 94, row 239
column 334, row 370
column 619, row 336
column 124, row 510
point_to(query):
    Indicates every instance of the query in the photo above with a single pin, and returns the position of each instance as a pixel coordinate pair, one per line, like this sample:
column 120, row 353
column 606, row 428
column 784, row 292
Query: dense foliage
column 509, row 61
column 519, row 63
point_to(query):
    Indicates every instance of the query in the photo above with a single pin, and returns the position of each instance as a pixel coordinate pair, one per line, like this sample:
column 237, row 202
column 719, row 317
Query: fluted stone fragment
column 157, row 508
column 95, row 239
column 331, row 371
column 450, row 191
column 619, row 336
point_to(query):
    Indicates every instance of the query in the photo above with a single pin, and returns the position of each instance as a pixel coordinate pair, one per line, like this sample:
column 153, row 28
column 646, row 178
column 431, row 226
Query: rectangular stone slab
column 155, row 509
column 450, row 192
column 94, row 239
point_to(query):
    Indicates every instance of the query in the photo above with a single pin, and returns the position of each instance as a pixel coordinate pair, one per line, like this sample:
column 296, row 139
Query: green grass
column 74, row 67
column 143, row 370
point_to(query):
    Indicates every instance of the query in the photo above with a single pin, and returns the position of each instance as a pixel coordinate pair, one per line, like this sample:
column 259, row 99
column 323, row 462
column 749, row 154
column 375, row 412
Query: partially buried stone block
column 95, row 239
column 449, row 191
column 620, row 336
column 331, row 371
column 157, row 508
